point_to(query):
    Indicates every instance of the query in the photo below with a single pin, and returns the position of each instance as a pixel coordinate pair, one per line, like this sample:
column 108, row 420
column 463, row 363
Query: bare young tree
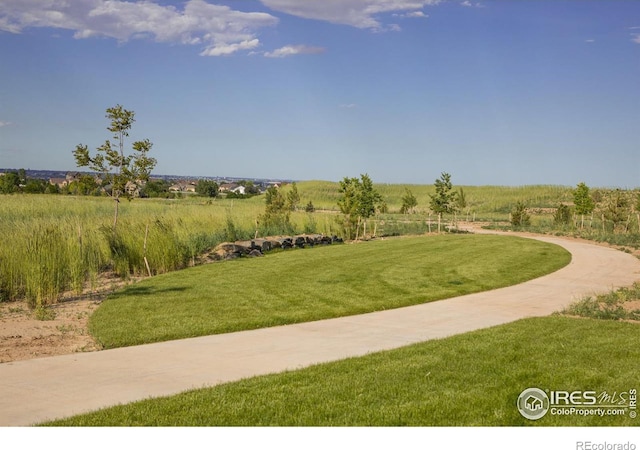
column 125, row 173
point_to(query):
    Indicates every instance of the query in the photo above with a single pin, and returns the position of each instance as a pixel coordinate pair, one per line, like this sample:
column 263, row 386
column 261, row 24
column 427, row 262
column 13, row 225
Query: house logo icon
column 533, row 403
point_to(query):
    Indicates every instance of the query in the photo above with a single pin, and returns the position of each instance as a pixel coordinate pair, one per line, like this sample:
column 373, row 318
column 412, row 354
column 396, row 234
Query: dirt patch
column 66, row 330
column 23, row 336
column 633, row 305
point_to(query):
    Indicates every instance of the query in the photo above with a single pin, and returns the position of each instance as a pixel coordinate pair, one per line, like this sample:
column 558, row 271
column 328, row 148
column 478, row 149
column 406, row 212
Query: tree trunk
column 439, row 221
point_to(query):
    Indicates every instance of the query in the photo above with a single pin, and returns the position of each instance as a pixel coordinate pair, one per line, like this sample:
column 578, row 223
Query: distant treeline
column 76, row 183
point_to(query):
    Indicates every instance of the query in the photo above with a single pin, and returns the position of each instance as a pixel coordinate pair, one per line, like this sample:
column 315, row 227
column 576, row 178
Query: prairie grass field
column 311, row 284
column 51, row 244
column 473, row 379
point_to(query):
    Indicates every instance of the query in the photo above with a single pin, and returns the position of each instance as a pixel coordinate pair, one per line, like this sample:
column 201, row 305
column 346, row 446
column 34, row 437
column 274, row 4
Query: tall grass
column 485, row 201
column 49, row 244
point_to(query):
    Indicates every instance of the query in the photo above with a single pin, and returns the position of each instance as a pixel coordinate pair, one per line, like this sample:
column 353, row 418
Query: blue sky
column 493, row 92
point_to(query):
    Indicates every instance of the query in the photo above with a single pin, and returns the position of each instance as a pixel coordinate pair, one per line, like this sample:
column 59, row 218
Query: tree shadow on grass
column 146, row 291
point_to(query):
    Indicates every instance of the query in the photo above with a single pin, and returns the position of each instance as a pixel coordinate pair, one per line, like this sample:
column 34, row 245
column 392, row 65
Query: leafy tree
column 9, row 183
column 359, row 201
column 207, row 188
column 348, row 204
column 409, row 202
column 444, row 200
column 156, row 189
column 35, row 186
column 368, row 197
column 126, row 172
column 615, row 207
column 84, row 185
column 293, row 197
column 519, row 215
column 583, row 202
column 52, row 189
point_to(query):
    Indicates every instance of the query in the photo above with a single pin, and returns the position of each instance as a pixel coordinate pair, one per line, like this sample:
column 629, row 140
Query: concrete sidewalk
column 40, row 389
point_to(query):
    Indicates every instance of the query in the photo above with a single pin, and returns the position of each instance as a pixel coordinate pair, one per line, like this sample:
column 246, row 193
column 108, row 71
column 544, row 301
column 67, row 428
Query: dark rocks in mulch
column 257, row 247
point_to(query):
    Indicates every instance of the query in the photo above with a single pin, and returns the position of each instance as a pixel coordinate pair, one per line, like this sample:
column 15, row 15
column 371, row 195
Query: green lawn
column 472, row 379
column 304, row 285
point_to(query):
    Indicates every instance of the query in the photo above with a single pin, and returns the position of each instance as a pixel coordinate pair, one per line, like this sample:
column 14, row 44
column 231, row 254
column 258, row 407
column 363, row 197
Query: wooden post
column 146, row 263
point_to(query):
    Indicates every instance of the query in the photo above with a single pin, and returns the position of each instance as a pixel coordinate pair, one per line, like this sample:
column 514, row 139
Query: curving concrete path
column 40, row 389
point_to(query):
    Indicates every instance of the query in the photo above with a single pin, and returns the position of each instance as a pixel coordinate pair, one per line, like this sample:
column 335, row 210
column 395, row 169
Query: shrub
column 519, row 215
column 562, row 216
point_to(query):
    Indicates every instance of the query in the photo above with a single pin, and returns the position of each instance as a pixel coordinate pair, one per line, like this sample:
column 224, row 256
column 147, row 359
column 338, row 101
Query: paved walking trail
column 40, row 389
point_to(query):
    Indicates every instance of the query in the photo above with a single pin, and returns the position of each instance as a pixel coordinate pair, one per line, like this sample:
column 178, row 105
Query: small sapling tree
column 359, row 201
column 444, row 201
column 125, row 172
column 293, row 197
column 276, row 214
column 583, row 202
column 409, row 202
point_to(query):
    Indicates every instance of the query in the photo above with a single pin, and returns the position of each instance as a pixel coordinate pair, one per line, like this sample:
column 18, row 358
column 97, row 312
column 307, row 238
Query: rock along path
column 42, row 389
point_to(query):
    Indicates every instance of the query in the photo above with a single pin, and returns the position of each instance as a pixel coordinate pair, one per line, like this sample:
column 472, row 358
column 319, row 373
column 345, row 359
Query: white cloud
column 219, row 29
column 635, row 38
column 348, row 105
column 469, row 4
column 4, row 124
column 590, row 41
column 291, row 50
column 356, row 13
column 228, row 49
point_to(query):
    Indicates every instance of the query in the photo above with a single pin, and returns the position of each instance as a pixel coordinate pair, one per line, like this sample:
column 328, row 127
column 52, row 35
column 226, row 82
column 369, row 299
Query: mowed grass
column 473, row 379
column 311, row 284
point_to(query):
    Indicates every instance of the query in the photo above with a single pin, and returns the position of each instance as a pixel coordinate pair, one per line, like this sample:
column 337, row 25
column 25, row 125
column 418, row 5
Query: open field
column 54, row 243
column 311, row 284
column 466, row 380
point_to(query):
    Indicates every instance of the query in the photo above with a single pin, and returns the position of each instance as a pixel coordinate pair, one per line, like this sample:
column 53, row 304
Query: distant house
column 60, row 182
column 238, row 190
column 228, row 187
column 72, row 176
column 132, row 189
column 183, row 186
